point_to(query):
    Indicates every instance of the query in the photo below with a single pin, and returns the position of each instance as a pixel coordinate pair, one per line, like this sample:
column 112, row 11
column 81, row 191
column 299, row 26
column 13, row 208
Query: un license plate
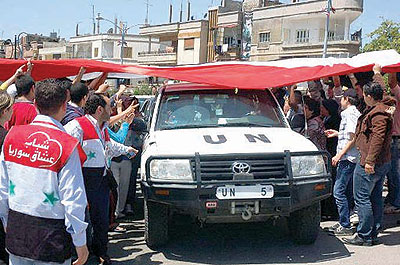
column 245, row 192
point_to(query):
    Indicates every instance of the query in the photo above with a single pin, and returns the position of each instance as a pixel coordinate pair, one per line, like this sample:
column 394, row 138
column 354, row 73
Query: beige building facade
column 298, row 30
column 107, row 47
column 181, row 43
column 56, row 51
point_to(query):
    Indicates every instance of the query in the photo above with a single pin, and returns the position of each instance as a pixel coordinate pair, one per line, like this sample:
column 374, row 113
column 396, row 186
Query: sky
column 44, row 16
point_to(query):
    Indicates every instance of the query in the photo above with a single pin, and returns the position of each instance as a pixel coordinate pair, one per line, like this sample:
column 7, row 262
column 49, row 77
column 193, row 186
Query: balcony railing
column 161, row 52
column 305, row 41
column 157, row 57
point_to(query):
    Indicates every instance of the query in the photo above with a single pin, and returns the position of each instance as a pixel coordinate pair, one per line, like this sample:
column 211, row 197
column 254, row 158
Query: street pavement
column 260, row 243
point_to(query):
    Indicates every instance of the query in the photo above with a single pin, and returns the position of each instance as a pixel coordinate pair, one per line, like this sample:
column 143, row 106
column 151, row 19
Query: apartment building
column 29, row 45
column 180, row 43
column 297, row 29
column 257, row 30
column 56, row 50
column 107, row 47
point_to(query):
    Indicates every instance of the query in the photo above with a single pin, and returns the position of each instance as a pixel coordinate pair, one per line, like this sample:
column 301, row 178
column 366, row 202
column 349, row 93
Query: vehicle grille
column 219, row 169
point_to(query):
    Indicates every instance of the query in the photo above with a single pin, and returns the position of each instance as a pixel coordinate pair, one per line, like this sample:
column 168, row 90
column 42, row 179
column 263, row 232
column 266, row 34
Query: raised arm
column 123, row 115
column 292, row 98
column 95, row 84
column 78, row 78
column 337, row 90
column 121, row 90
column 29, row 67
column 378, row 76
column 392, row 80
column 12, row 79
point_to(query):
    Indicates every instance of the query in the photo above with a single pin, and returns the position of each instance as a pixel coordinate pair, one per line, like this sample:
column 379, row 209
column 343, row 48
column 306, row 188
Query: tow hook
column 246, row 214
column 245, row 209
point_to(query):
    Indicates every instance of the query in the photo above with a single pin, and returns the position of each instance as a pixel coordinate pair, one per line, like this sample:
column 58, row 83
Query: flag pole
column 328, row 14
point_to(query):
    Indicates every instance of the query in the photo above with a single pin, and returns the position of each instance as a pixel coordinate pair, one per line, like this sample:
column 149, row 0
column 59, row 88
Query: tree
column 385, row 37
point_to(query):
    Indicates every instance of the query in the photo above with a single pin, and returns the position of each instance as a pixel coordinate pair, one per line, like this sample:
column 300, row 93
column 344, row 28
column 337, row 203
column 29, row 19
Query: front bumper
column 290, row 194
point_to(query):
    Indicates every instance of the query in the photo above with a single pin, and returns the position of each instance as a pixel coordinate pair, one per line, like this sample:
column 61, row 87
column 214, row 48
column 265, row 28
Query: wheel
column 304, row 224
column 156, row 218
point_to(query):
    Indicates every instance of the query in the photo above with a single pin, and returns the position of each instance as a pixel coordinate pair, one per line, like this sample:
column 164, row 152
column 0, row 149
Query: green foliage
column 385, row 37
column 142, row 89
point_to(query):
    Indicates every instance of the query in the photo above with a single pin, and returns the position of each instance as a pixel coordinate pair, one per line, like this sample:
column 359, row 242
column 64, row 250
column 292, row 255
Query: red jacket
column 24, row 113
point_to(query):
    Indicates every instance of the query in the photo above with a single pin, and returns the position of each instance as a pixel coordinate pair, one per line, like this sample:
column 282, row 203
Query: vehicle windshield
column 218, row 108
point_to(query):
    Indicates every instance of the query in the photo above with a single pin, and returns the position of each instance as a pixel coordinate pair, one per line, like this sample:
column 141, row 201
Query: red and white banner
column 243, row 75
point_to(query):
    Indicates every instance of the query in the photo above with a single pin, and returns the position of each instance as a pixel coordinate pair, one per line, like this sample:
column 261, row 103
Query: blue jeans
column 393, row 176
column 16, row 260
column 369, row 200
column 343, row 191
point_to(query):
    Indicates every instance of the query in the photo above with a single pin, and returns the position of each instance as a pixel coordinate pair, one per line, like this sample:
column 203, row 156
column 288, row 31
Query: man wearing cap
column 345, row 160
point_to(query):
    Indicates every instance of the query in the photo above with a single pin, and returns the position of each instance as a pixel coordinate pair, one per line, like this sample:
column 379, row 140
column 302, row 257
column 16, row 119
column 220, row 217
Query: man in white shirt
column 91, row 131
column 345, row 160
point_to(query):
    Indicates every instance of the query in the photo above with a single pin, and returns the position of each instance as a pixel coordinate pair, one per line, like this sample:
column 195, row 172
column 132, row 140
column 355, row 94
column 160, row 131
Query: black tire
column 304, row 224
column 156, row 218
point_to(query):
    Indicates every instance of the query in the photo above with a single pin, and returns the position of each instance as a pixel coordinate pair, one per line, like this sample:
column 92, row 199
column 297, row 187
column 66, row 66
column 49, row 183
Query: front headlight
column 171, row 169
column 303, row 166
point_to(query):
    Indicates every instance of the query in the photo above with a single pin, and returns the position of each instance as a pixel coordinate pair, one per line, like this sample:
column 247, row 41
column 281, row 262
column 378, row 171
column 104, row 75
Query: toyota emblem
column 240, row 167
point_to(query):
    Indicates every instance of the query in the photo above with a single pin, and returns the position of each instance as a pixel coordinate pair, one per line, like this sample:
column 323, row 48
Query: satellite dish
column 110, row 31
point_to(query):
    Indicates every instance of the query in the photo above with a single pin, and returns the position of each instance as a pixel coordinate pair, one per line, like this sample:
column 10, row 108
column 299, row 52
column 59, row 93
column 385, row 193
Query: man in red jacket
column 24, row 112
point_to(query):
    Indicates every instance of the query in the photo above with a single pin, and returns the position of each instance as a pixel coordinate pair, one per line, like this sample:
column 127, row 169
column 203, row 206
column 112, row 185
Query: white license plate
column 245, row 192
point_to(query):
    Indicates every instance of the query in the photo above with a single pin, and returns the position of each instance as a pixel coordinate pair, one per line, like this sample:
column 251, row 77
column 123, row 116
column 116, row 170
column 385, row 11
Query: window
column 127, row 52
column 230, row 41
column 218, row 108
column 108, row 49
column 265, row 37
column 56, row 56
column 331, row 35
column 302, row 36
column 189, row 44
column 83, row 50
column 96, row 52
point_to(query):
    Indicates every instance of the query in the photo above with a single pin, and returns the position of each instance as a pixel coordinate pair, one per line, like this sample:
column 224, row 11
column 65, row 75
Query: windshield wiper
column 250, row 124
column 190, row 126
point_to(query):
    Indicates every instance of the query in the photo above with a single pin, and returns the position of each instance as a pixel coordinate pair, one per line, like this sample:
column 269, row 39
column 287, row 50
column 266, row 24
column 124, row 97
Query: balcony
column 311, row 8
column 306, row 42
column 161, row 58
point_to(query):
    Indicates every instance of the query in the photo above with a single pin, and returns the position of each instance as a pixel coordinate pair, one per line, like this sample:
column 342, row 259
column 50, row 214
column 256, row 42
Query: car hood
column 248, row 140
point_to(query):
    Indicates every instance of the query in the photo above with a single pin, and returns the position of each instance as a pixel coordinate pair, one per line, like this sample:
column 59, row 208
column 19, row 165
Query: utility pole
column 146, row 21
column 123, row 30
column 328, row 14
column 123, row 27
column 94, row 20
column 98, row 23
column 188, row 10
column 181, row 12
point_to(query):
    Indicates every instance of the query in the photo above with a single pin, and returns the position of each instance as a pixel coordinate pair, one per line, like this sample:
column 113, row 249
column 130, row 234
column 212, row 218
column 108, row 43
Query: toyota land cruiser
column 225, row 155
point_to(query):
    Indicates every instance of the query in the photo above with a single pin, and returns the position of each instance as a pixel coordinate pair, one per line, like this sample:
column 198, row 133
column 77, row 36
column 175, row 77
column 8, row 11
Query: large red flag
column 228, row 74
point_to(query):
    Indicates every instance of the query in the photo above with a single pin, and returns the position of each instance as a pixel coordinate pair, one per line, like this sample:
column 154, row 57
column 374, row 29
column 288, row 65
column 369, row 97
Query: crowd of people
column 88, row 146
column 359, row 126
